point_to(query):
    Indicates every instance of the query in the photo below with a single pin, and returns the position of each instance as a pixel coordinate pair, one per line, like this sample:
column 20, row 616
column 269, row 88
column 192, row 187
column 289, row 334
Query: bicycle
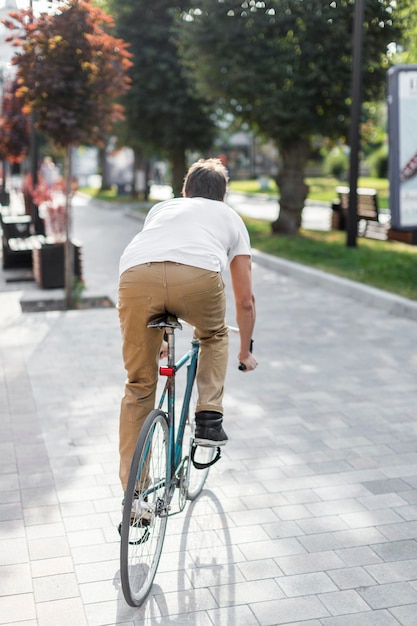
column 165, row 459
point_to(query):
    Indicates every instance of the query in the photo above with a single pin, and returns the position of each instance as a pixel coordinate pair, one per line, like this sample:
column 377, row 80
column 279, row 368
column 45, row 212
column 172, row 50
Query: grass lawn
column 321, row 188
column 111, row 195
column 388, row 265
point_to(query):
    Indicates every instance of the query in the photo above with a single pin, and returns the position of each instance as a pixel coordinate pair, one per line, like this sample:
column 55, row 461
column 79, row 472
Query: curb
column 388, row 302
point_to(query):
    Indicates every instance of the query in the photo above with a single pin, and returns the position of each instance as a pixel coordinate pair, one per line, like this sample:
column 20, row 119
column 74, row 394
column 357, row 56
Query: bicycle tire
column 196, row 478
column 145, row 510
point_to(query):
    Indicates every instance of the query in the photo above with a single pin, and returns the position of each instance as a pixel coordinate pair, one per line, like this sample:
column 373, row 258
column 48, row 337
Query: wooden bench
column 367, row 210
column 18, row 240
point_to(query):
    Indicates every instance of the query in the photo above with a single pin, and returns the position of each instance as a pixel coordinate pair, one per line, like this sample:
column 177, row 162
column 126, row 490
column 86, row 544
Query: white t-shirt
column 192, row 231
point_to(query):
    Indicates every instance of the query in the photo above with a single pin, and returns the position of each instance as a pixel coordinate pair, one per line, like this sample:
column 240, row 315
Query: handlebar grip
column 242, row 366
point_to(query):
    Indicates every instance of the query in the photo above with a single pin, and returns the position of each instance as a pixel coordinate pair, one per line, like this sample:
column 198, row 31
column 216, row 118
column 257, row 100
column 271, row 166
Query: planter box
column 405, row 236
column 49, row 265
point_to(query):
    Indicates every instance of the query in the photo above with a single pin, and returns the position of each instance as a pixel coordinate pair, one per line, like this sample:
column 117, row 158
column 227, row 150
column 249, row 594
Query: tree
column 14, row 130
column 14, row 126
column 70, row 72
column 164, row 114
column 284, row 67
column 407, row 50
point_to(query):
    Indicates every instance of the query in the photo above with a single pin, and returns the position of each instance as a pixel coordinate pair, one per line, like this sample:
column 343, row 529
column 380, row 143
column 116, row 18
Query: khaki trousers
column 197, row 296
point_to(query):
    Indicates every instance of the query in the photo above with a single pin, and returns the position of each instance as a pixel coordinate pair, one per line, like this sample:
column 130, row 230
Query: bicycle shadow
column 203, row 568
column 213, row 565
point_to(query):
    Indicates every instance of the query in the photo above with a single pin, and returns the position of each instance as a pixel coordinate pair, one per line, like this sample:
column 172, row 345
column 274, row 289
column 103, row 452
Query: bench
column 18, row 240
column 367, row 211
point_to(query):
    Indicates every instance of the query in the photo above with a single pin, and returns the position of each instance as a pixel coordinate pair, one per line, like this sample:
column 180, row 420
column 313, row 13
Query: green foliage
column 373, row 128
column 70, row 71
column 336, row 162
column 406, row 49
column 164, row 113
column 284, row 66
column 378, row 162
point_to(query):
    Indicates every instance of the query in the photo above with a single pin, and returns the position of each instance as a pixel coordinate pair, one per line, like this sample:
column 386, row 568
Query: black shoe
column 208, row 429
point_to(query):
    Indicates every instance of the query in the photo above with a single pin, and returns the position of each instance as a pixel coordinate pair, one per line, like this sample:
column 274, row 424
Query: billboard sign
column 402, row 130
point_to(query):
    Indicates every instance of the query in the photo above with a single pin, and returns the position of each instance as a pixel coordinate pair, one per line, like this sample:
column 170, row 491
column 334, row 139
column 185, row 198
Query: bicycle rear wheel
column 145, row 510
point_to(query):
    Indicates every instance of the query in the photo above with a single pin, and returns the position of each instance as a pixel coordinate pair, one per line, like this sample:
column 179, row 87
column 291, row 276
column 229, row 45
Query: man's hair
column 207, row 178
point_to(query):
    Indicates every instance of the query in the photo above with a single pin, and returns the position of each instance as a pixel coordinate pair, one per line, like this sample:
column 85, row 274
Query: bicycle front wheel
column 145, row 510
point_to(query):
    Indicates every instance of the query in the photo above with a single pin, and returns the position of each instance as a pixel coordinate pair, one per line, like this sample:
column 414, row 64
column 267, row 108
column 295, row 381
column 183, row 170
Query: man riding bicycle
column 175, row 265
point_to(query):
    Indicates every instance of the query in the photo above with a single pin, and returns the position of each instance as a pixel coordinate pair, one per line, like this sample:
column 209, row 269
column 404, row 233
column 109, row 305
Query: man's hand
column 247, row 363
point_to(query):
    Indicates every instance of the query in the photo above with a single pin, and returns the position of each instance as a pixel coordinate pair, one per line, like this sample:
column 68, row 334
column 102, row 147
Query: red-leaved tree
column 14, row 126
column 70, row 72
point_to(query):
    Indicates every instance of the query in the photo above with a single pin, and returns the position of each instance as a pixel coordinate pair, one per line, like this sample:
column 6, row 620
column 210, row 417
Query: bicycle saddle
column 165, row 320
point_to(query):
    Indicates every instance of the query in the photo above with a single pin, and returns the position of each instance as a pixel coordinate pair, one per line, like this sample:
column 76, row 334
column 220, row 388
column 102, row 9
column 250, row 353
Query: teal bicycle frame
column 190, row 360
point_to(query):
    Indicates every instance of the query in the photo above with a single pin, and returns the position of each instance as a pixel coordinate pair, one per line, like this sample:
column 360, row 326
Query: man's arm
column 241, row 273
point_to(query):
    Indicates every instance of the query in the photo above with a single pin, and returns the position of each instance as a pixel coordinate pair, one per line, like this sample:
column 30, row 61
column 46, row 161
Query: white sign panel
column 403, row 146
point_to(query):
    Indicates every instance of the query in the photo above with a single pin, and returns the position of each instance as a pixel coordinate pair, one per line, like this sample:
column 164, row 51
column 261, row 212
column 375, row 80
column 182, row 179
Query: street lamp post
column 356, row 106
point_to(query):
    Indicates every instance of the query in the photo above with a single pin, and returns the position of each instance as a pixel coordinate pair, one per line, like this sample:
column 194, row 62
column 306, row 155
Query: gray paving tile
column 306, row 584
column 15, row 579
column 388, row 485
column 372, row 618
column 400, row 531
column 394, row 571
column 51, row 567
column 66, row 612
column 343, row 602
column 246, row 592
column 11, row 511
column 305, row 563
column 406, row 615
column 241, row 615
column 17, row 608
column 362, row 555
column 288, row 610
column 48, row 547
column 55, row 587
column 176, row 603
column 13, row 552
column 353, row 577
column 396, row 550
column 258, row 570
column 384, row 596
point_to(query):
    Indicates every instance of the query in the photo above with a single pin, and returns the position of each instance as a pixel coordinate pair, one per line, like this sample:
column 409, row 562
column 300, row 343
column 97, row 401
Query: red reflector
column 167, row 371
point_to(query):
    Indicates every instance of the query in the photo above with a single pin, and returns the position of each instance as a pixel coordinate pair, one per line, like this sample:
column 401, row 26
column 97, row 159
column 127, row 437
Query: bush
column 378, row 162
column 336, row 163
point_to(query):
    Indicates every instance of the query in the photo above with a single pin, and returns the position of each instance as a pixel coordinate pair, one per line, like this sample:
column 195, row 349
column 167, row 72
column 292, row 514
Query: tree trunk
column 178, row 162
column 292, row 187
column 141, row 175
column 69, row 250
column 105, row 179
column 137, row 162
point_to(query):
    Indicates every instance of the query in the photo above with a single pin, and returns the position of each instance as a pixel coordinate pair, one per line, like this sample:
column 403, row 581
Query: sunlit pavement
column 309, row 518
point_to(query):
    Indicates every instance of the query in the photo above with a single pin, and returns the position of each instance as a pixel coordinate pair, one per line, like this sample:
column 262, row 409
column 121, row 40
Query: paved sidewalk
column 310, row 517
